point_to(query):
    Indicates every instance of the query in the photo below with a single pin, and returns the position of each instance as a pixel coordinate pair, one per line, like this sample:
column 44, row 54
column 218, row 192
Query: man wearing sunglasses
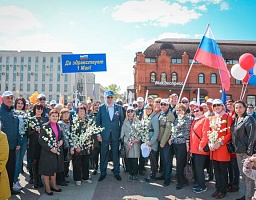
column 166, row 119
column 42, row 100
column 110, row 117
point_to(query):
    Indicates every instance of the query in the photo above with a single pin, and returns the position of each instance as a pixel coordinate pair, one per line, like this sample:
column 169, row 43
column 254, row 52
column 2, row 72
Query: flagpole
column 183, row 86
column 198, row 96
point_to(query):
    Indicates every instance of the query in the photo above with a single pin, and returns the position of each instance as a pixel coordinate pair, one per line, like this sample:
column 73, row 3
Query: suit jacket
column 165, row 122
column 110, row 126
column 5, row 192
column 50, row 163
column 153, row 131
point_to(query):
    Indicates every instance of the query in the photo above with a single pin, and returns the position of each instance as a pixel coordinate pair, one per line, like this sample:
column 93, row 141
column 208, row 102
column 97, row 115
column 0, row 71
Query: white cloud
column 199, row 36
column 14, row 19
column 199, row 1
column 202, row 8
column 41, row 42
column 139, row 44
column 105, row 9
column 154, row 12
column 173, row 35
column 224, row 6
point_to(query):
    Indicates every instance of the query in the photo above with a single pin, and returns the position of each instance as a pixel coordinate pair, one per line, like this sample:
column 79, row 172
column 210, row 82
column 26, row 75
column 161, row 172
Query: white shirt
column 111, row 111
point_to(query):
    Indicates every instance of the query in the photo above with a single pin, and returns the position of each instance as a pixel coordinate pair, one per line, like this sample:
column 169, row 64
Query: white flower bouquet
column 50, row 140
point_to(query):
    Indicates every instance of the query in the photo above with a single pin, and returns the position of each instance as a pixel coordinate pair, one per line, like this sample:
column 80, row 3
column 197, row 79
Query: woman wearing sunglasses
column 219, row 135
column 132, row 144
column 180, row 141
column 198, row 140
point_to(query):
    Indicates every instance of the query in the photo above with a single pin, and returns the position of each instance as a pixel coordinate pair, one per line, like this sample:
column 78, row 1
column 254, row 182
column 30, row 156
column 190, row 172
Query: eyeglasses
column 184, row 102
column 178, row 110
column 42, row 99
column 216, row 105
column 9, row 97
column 39, row 108
column 163, row 104
column 110, row 97
column 196, row 111
column 148, row 108
column 157, row 101
column 130, row 111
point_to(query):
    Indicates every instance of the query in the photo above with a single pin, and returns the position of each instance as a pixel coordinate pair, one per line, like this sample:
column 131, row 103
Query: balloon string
column 241, row 92
column 244, row 91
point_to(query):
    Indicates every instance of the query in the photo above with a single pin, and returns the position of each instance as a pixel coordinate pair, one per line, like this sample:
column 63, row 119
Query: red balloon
column 246, row 61
column 246, row 78
column 1, row 99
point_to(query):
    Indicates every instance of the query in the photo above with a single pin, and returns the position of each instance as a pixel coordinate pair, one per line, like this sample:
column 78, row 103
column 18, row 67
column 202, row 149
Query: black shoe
column 35, row 185
column 56, row 190
column 49, row 193
column 63, row 183
column 94, row 172
column 67, row 181
column 160, row 178
column 178, row 187
column 31, row 181
column 242, row 198
column 118, row 177
column 40, row 182
column 195, row 186
column 215, row 193
column 149, row 179
column 101, row 178
column 141, row 173
column 15, row 192
column 167, row 182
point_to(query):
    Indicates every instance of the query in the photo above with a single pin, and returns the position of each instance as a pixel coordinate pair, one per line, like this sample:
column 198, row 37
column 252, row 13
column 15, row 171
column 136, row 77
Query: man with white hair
column 10, row 126
column 41, row 98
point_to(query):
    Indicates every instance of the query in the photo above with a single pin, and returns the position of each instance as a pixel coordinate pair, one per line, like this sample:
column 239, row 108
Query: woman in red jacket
column 218, row 136
column 198, row 140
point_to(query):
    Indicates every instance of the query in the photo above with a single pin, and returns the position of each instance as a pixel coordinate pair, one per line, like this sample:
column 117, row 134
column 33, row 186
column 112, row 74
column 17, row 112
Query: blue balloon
column 252, row 80
column 251, row 71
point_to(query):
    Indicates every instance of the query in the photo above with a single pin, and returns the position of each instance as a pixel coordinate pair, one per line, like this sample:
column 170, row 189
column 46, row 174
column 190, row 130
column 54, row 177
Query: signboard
column 76, row 63
column 168, row 83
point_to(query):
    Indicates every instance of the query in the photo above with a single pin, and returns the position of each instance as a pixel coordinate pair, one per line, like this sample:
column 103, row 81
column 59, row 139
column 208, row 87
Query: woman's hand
column 54, row 150
column 99, row 138
column 170, row 142
column 60, row 143
column 78, row 150
column 135, row 141
column 149, row 144
column 187, row 146
column 38, row 129
column 162, row 145
column 200, row 149
column 129, row 144
column 72, row 152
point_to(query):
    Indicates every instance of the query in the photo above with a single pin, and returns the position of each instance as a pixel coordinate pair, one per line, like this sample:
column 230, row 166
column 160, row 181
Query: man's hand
column 78, row 150
column 170, row 142
column 17, row 148
column 54, row 150
column 72, row 152
column 161, row 145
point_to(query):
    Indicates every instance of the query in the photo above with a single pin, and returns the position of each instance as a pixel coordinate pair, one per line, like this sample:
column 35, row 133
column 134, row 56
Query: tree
column 116, row 89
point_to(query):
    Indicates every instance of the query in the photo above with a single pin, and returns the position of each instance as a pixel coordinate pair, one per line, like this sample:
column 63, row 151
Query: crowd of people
column 219, row 137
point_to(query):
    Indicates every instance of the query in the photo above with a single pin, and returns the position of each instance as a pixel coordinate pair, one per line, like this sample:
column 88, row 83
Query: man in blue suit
column 110, row 117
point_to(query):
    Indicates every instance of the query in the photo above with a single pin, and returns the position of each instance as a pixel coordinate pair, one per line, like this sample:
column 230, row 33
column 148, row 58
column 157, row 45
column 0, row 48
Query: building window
column 28, row 87
column 163, row 77
column 50, row 97
column 176, row 60
column 213, row 78
column 200, row 78
column 36, row 87
column 251, row 99
column 50, row 88
column 66, row 78
column 58, row 87
column 152, row 77
column 150, row 60
column 65, row 87
column 43, row 87
column 21, row 87
column 238, row 82
column 51, row 77
column 174, row 77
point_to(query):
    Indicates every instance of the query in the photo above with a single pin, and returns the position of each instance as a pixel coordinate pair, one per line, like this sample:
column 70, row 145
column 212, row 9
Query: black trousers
column 80, row 167
column 10, row 166
column 159, row 160
column 198, row 164
column 153, row 163
column 221, row 175
column 180, row 151
column 96, row 153
column 132, row 166
column 233, row 171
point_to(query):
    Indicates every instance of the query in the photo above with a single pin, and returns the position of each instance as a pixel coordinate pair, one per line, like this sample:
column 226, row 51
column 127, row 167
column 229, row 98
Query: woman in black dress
column 34, row 127
column 51, row 158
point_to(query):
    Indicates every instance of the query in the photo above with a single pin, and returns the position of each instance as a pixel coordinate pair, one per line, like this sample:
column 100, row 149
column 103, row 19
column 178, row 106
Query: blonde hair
column 181, row 105
column 134, row 115
column 148, row 105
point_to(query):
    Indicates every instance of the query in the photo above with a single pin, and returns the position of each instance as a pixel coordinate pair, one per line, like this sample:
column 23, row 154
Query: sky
column 119, row 28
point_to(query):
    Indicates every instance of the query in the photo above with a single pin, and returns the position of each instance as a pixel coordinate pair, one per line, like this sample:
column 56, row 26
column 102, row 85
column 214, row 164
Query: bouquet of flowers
column 33, row 122
column 50, row 140
column 139, row 130
column 84, row 139
column 215, row 125
column 23, row 121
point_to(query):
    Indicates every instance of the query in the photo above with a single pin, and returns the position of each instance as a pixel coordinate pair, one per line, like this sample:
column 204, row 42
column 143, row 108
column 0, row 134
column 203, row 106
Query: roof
column 230, row 49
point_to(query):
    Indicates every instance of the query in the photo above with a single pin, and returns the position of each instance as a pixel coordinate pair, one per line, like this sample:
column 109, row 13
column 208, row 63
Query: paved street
column 111, row 189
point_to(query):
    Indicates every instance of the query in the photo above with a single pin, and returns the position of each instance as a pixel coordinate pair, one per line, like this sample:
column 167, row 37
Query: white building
column 24, row 72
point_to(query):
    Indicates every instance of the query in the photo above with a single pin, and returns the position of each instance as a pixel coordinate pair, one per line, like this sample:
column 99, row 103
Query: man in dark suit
column 110, row 117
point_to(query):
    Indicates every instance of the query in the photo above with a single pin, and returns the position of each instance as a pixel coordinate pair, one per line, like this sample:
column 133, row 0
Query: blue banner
column 76, row 63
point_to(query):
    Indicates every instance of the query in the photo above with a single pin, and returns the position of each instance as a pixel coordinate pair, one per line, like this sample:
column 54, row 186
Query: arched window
column 174, row 77
column 163, row 77
column 213, row 78
column 200, row 78
column 152, row 77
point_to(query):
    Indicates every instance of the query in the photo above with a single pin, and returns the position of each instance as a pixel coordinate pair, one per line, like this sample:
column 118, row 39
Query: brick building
column 162, row 68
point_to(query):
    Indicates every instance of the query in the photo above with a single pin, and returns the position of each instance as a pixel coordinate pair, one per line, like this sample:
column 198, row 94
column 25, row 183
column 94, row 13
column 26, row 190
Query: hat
column 150, row 97
column 210, row 100
column 164, row 101
column 119, row 100
column 250, row 105
column 135, row 102
column 125, row 105
column 40, row 95
column 88, row 101
column 174, row 95
column 109, row 93
column 193, row 103
column 145, row 150
column 7, row 94
column 130, row 108
column 53, row 102
column 140, row 99
column 27, row 102
column 217, row 101
column 184, row 98
column 203, row 104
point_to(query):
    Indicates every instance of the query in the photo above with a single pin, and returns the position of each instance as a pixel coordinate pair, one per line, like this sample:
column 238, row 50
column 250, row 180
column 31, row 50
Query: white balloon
column 238, row 72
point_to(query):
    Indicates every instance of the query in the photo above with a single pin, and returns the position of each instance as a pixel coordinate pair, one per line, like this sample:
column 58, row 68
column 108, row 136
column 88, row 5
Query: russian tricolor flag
column 208, row 53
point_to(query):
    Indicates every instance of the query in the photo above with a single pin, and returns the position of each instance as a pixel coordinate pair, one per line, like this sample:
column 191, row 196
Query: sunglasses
column 130, row 111
column 196, row 111
column 42, row 99
column 39, row 108
column 163, row 104
column 178, row 110
column 148, row 108
column 184, row 102
column 157, row 101
column 216, row 105
column 109, row 97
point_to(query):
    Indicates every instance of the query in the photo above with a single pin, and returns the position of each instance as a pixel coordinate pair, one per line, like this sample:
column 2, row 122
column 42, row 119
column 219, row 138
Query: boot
column 35, row 175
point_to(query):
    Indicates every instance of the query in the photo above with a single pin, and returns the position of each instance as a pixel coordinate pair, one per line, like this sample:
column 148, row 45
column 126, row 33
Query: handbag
column 188, row 170
column 122, row 149
column 231, row 147
column 206, row 148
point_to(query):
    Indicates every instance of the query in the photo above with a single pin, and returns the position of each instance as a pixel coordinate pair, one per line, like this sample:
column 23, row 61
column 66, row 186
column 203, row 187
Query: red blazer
column 200, row 126
column 222, row 154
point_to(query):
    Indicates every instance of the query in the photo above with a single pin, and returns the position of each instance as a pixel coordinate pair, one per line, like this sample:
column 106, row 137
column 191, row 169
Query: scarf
column 220, row 114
